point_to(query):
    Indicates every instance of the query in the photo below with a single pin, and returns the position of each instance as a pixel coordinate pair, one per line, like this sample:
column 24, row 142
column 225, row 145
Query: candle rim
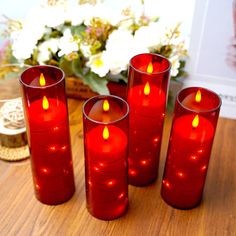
column 153, row 73
column 102, row 97
column 199, row 111
column 46, row 86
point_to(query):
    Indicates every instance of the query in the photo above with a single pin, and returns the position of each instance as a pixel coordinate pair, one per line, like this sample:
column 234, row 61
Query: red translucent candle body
column 106, row 158
column 190, row 145
column 147, row 90
column 48, row 134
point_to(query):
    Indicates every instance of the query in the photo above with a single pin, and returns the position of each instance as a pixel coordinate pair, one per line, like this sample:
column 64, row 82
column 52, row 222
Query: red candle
column 192, row 134
column 106, row 142
column 148, row 80
column 48, row 133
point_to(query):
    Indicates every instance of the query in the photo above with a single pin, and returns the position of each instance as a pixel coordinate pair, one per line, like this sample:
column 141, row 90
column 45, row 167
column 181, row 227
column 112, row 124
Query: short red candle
column 46, row 114
column 106, row 149
column 147, row 93
column 192, row 134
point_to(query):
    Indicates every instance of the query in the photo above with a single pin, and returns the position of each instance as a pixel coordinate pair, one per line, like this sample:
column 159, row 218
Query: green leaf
column 77, row 68
column 96, row 83
column 66, row 66
column 155, row 18
column 78, row 30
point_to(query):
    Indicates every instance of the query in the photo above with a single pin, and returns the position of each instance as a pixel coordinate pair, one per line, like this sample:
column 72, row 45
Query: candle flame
column 105, row 133
column 106, row 105
column 45, row 103
column 195, row 121
column 146, row 89
column 42, row 80
column 150, row 68
column 198, row 96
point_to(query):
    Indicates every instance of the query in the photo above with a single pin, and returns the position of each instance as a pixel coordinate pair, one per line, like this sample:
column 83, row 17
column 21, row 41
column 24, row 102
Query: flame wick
column 198, row 96
column 106, row 105
column 42, row 80
column 45, row 103
column 195, row 121
column 150, row 68
column 105, row 133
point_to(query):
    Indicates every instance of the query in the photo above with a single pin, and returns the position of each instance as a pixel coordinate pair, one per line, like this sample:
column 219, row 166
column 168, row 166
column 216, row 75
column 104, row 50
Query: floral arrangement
column 92, row 41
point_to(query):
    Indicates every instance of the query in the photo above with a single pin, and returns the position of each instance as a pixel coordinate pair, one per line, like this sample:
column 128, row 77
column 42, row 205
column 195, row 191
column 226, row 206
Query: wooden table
column 148, row 214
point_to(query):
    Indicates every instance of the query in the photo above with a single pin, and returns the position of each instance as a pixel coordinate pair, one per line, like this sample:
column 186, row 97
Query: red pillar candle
column 45, row 105
column 147, row 93
column 106, row 149
column 192, row 134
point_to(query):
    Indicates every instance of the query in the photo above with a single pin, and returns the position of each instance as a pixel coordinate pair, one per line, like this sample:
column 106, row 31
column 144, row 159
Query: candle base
column 143, row 169
column 113, row 214
column 47, row 200
column 179, row 202
column 142, row 181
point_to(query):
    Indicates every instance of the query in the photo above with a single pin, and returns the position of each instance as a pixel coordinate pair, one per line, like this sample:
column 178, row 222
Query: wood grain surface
column 148, row 214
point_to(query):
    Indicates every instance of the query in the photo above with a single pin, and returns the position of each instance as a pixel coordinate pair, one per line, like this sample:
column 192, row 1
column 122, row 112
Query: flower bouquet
column 93, row 42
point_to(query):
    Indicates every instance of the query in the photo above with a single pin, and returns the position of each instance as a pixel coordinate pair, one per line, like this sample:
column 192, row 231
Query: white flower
column 46, row 49
column 67, row 43
column 23, row 44
column 120, row 48
column 45, row 15
column 98, row 64
column 150, row 36
column 108, row 13
column 78, row 14
column 175, row 64
column 46, row 22
column 134, row 8
column 25, row 40
column 53, row 16
column 85, row 49
column 126, row 24
column 35, row 21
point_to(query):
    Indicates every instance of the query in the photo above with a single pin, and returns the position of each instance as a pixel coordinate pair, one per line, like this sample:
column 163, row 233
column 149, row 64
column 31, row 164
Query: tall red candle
column 45, row 105
column 106, row 149
column 147, row 93
column 192, row 134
